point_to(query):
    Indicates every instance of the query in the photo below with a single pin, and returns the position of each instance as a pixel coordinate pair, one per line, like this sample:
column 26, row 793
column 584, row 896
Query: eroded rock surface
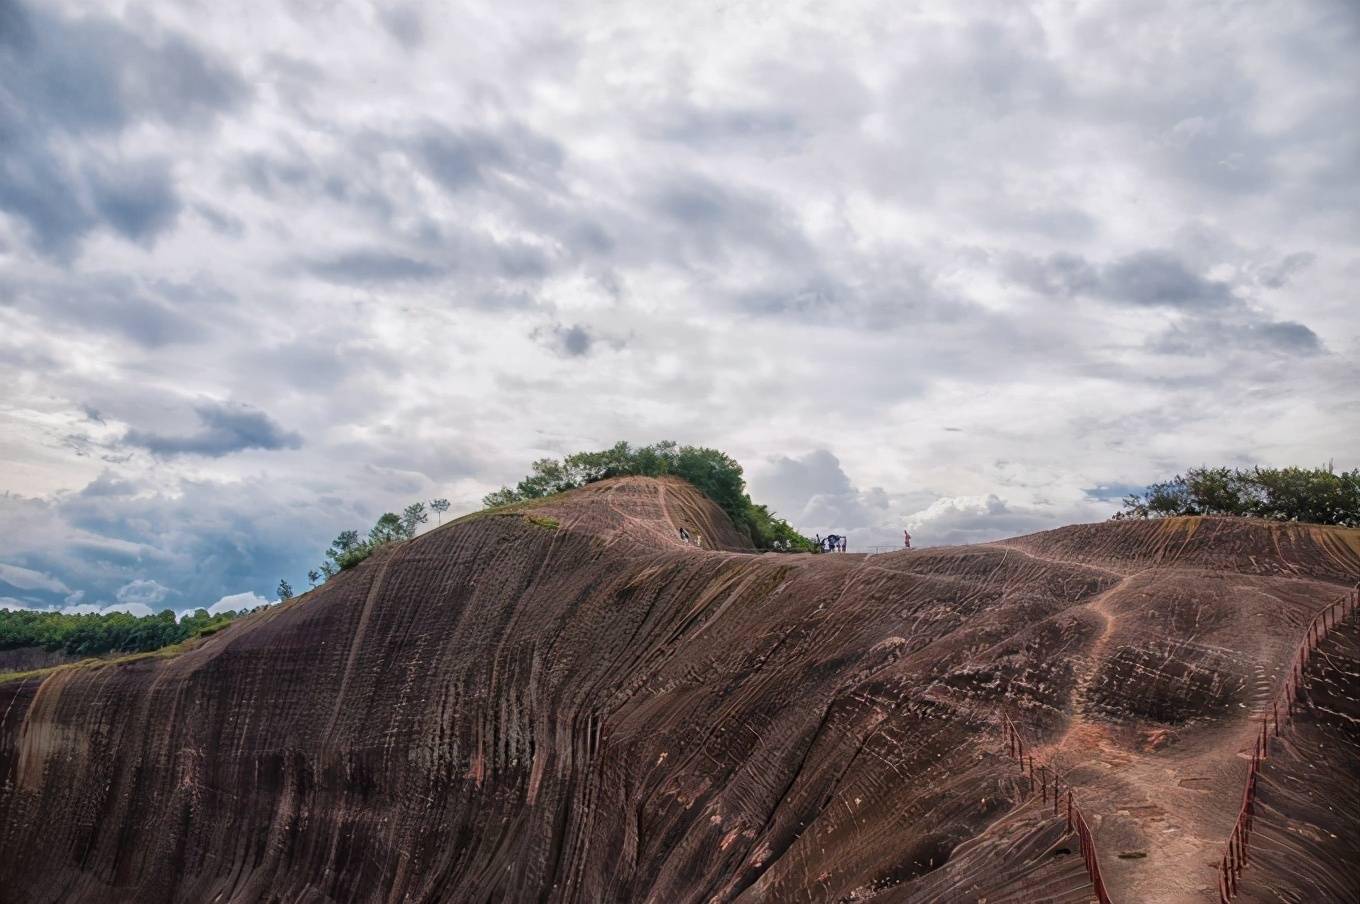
column 571, row 704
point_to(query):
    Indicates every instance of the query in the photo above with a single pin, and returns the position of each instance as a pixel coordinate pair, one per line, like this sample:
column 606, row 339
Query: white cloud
column 28, row 579
column 141, row 591
column 236, row 602
column 137, row 609
column 886, row 256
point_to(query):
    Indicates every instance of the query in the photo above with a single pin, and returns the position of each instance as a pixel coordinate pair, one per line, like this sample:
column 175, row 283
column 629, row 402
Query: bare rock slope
column 568, row 703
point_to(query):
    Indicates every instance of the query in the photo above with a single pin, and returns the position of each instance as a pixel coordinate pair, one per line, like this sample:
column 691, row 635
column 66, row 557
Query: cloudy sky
column 269, row 269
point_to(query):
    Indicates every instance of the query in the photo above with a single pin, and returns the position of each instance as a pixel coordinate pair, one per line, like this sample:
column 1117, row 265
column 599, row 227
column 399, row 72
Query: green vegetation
column 349, row 549
column 715, row 473
column 1315, row 495
column 95, row 634
column 546, row 522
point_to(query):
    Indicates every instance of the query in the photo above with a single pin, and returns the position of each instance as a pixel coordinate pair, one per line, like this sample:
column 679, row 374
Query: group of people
column 829, row 543
column 696, row 538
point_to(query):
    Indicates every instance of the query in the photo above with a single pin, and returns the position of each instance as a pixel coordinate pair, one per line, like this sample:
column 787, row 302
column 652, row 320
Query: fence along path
column 1076, row 820
column 1289, row 700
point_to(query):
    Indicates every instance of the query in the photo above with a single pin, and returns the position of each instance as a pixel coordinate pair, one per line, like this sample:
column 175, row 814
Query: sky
column 973, row 270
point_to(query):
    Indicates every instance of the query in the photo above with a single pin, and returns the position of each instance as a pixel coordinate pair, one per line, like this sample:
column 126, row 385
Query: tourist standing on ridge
column 684, row 535
column 906, row 539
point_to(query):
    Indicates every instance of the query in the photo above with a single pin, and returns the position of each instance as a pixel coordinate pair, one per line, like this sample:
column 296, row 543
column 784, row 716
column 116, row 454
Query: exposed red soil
column 570, row 704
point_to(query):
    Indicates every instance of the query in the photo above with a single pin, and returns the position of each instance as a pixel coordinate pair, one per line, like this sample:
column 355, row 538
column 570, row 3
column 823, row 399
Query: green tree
column 715, row 473
column 285, row 590
column 412, row 517
column 387, row 529
column 1316, row 495
column 439, row 507
column 95, row 634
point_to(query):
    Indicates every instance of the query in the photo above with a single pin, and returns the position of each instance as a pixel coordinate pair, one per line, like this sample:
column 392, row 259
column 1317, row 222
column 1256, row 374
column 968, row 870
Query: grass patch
column 544, row 521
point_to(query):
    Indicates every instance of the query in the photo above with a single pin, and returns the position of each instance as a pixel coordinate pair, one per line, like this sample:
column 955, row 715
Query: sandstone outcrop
column 569, row 703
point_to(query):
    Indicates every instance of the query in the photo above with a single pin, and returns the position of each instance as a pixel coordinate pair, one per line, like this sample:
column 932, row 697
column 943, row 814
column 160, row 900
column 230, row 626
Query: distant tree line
column 715, row 473
column 97, row 633
column 1315, row 495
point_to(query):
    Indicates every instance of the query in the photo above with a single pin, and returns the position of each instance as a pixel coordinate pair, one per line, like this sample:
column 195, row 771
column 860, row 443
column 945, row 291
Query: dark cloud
column 221, row 221
column 403, row 22
column 39, row 189
column 574, row 341
column 1160, row 278
column 1145, row 279
column 458, row 160
column 226, row 429
column 1285, row 336
column 711, row 223
column 520, row 260
column 267, row 173
column 137, row 200
column 719, row 126
column 64, row 82
column 1206, row 337
column 204, row 540
column 1278, row 275
column 1059, row 274
column 153, row 315
column 109, row 484
column 92, row 74
column 373, row 266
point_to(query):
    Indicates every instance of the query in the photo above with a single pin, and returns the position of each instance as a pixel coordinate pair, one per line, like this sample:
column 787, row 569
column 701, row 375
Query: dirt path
column 1160, row 815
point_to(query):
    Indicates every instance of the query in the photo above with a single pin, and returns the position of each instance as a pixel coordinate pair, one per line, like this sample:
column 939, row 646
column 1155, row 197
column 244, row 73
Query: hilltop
column 564, row 701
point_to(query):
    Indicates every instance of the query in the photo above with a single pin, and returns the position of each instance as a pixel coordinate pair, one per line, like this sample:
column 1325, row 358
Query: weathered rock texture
column 570, row 704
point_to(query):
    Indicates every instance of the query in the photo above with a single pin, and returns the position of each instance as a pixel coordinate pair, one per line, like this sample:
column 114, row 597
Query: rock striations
column 568, row 703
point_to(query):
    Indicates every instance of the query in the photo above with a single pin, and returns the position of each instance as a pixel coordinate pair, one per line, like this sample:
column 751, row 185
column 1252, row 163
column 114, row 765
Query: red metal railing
column 1076, row 821
column 1235, row 856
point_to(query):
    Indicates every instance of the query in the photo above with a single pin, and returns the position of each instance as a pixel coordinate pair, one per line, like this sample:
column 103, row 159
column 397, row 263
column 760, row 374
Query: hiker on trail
column 833, row 543
column 906, row 539
column 842, row 544
column 819, row 545
column 684, row 535
column 698, row 539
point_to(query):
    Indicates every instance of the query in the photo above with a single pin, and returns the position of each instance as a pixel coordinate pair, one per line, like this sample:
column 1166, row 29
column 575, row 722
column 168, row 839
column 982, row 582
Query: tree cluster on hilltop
column 713, row 472
column 96, row 633
column 1314, row 495
column 349, row 548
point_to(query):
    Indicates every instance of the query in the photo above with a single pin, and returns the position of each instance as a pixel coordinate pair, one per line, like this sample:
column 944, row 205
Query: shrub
column 1316, row 495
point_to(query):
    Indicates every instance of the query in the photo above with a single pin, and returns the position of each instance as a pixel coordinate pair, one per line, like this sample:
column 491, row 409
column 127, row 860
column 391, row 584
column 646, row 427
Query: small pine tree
column 439, row 506
column 285, row 591
column 412, row 517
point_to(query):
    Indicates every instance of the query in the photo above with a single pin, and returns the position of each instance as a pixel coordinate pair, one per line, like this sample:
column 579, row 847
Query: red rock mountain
column 568, row 703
